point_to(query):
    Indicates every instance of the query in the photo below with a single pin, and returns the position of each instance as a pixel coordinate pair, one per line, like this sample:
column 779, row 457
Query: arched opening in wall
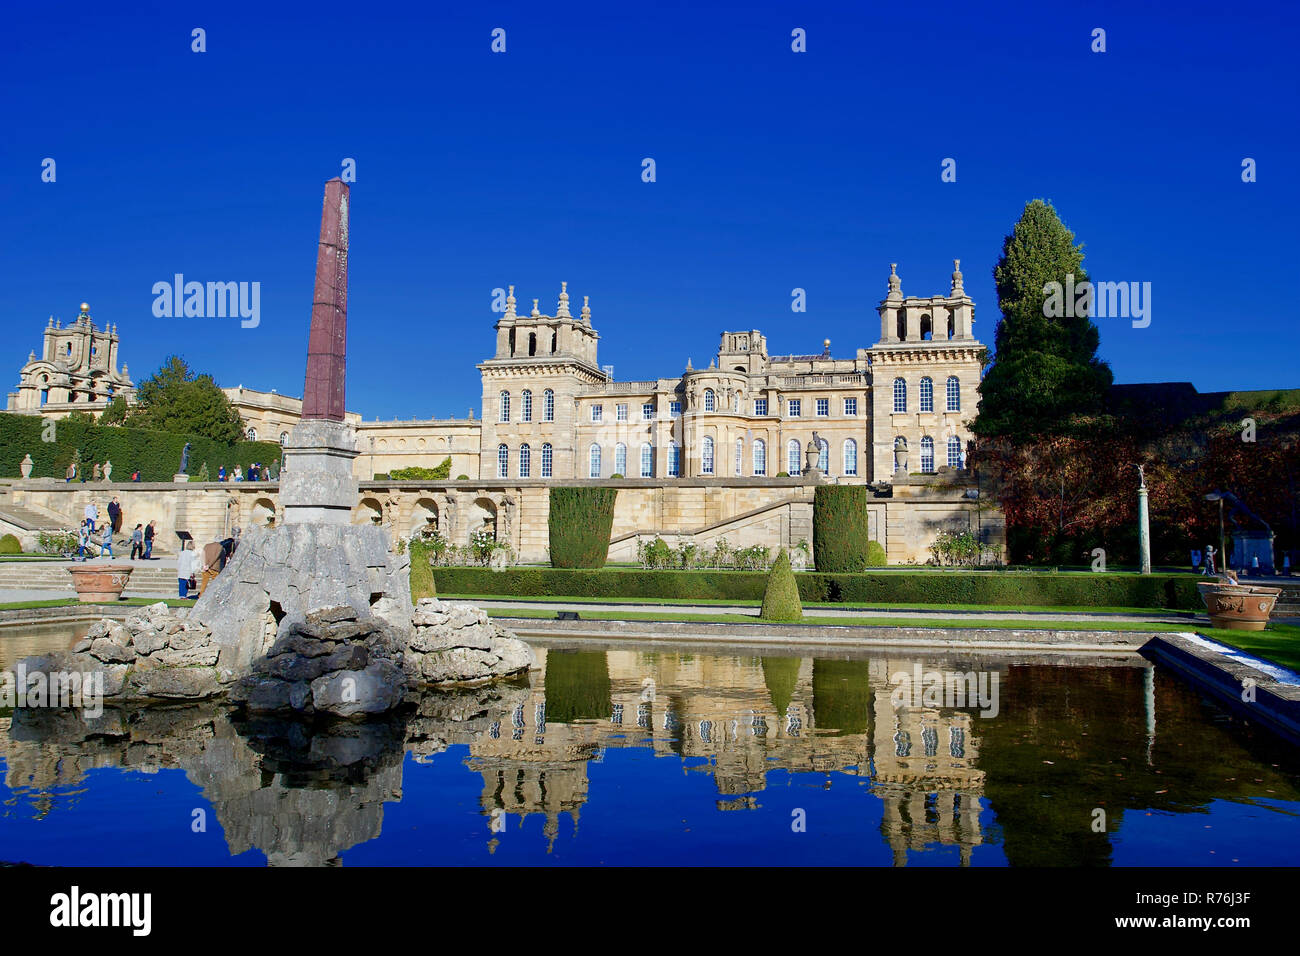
column 740, row 368
column 512, row 343
column 424, row 516
column 952, row 327
column 532, row 343
column 368, row 511
column 284, row 437
column 927, row 329
column 901, row 327
column 482, row 516
column 263, row 514
column 555, row 342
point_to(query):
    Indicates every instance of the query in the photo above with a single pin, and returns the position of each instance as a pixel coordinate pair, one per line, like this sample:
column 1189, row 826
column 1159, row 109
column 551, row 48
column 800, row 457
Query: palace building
column 77, row 370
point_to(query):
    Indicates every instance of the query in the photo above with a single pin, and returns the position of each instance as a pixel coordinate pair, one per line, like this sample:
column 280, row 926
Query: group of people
column 189, row 565
column 93, row 531
column 256, row 472
column 100, row 472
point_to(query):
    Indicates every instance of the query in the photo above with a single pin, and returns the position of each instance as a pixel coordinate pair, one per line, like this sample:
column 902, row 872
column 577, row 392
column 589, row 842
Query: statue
column 900, row 455
column 813, row 455
column 108, row 471
column 185, row 460
column 508, row 507
column 1142, row 478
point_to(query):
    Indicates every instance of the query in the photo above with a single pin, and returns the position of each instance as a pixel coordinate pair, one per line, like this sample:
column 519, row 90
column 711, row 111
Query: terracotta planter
column 1239, row 607
column 100, row 582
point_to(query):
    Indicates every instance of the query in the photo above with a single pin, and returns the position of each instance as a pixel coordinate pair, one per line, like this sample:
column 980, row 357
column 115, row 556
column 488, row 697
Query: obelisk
column 317, row 485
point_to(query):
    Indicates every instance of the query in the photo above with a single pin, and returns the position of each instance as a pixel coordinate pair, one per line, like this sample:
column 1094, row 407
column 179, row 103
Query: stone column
column 1144, row 528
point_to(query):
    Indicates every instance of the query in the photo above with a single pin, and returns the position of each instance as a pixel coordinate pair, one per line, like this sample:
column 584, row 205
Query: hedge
column 1176, row 592
column 840, row 534
column 781, row 598
column 10, row 545
column 580, row 522
column 155, row 454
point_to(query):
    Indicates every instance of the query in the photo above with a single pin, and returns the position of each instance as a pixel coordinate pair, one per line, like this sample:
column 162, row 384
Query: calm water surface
column 643, row 755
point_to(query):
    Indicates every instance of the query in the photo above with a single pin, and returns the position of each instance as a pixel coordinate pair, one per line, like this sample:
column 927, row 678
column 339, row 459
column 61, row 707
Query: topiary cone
column 781, row 599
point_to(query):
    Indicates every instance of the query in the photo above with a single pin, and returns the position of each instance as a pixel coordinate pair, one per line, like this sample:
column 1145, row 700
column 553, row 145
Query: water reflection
column 1065, row 740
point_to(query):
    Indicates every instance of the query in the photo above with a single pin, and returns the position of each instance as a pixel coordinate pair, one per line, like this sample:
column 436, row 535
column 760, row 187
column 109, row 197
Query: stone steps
column 15, row 576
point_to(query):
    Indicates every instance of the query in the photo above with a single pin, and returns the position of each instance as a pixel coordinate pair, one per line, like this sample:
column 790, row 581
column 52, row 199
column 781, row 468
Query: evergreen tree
column 1046, row 375
column 114, row 412
column 176, row 399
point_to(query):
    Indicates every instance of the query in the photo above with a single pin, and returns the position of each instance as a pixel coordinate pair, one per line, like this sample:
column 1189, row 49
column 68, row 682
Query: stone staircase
column 21, row 516
column 148, row 577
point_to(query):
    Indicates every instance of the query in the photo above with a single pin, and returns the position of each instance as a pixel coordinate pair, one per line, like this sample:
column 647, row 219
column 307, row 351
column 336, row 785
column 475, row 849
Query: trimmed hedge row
column 840, row 536
column 156, row 454
column 580, row 522
column 894, row 587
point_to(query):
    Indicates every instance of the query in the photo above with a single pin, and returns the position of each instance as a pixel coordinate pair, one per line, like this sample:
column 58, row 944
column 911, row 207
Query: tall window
column 706, row 457
column 927, row 454
column 709, row 400
column 647, row 460
column 674, row 409
column 597, row 413
column 927, row 394
column 900, row 395
column 620, row 459
column 850, row 406
column 850, row 457
column 505, row 407
column 548, row 457
column 674, row 460
column 954, row 451
column 760, row 457
column 824, row 459
column 648, row 412
column 792, row 450
column 548, row 406
column 823, row 407
column 735, row 402
column 525, row 461
column 740, row 458
column 593, row 462
column 620, row 412
column 503, row 461
column 794, row 407
column 760, row 406
column 251, row 434
column 954, row 394
column 528, row 405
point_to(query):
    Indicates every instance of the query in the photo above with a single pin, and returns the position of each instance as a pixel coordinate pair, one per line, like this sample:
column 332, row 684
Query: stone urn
column 1238, row 607
column 100, row 582
column 25, row 466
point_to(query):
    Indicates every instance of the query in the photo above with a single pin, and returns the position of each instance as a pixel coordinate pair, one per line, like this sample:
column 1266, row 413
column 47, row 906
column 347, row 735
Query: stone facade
column 77, row 371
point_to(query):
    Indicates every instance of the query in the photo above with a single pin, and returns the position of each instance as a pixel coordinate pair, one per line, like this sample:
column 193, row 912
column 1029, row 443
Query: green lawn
column 73, row 602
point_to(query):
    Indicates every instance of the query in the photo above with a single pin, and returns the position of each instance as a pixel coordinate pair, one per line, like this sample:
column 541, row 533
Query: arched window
column 674, row 460
column 708, row 400
column 555, row 342
column 532, row 343
column 901, row 326
column 954, row 451
column 284, row 437
column 900, row 395
column 525, row 461
column 952, row 327
column 760, row 457
column 706, row 455
column 824, row 459
column 547, row 459
column 927, row 328
column 251, row 434
column 927, row 394
column 505, row 407
column 620, row 459
column 927, row 454
column 593, row 462
column 528, row 405
column 512, row 342
column 793, row 464
column 647, row 460
column 954, row 394
column 850, row 457
column 548, row 406
column 735, row 402
column 503, row 461
column 740, row 457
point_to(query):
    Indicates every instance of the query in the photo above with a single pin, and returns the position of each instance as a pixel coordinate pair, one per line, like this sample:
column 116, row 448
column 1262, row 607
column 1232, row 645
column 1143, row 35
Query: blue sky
column 775, row 170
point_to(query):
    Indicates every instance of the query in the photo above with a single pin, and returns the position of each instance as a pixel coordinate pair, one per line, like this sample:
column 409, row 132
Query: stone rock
column 114, row 678
column 377, row 688
column 201, row 654
column 149, row 639
column 110, row 652
column 458, row 643
column 190, row 683
column 259, row 692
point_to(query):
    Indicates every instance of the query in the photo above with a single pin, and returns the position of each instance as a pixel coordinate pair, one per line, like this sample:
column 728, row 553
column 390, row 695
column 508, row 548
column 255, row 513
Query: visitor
column 135, row 475
column 239, row 475
column 91, row 515
column 214, row 559
column 137, row 542
column 83, row 541
column 186, row 565
column 106, row 547
column 97, row 471
column 1209, row 559
column 221, row 473
column 72, row 471
column 148, row 541
column 115, row 514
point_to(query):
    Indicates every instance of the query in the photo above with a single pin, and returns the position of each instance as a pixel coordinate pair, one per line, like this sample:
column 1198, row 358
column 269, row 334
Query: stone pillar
column 1144, row 531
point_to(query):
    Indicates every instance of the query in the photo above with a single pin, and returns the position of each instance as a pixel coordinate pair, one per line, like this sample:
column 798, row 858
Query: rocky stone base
column 459, row 644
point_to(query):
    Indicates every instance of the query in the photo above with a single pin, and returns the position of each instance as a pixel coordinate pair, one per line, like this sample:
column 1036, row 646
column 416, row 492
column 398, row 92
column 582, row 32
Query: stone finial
column 562, row 312
column 510, row 303
column 711, row 363
column 586, row 310
column 31, row 356
column 535, row 312
column 689, row 367
column 51, row 323
column 826, row 346
column 895, row 283
column 956, row 278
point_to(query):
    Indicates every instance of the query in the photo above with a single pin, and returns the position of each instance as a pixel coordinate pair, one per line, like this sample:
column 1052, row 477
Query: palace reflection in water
column 1062, row 741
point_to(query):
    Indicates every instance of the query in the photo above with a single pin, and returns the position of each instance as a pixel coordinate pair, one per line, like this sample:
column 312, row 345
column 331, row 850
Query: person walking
column 106, row 546
column 90, row 514
column 72, row 471
column 83, row 541
column 135, row 475
column 239, row 474
column 221, row 473
column 187, row 563
column 137, row 542
column 115, row 514
column 148, row 541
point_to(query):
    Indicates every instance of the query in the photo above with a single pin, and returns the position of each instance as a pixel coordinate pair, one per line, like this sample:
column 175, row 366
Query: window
column 504, row 405
column 251, row 434
column 647, row 461
column 503, row 461
column 648, row 412
column 593, row 462
column 597, row 412
column 525, row 461
column 760, row 457
column 620, row 459
column 284, row 437
column 548, row 406
column 850, row 457
column 927, row 454
column 674, row 409
column 954, row 394
column 735, row 402
column 850, row 406
column 708, row 400
column 760, row 406
column 674, row 460
column 548, row 457
column 954, row 452
column 740, row 458
column 823, row 407
column 706, row 457
column 900, row 395
column 795, row 407
column 824, row 459
column 793, row 457
column 528, row 405
column 927, row 394
column 620, row 412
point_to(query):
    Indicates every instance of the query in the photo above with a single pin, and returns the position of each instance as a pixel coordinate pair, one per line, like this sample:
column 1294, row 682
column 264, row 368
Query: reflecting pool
column 647, row 754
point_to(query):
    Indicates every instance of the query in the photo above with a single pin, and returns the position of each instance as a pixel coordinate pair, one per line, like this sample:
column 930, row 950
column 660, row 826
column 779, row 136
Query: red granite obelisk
column 323, row 395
